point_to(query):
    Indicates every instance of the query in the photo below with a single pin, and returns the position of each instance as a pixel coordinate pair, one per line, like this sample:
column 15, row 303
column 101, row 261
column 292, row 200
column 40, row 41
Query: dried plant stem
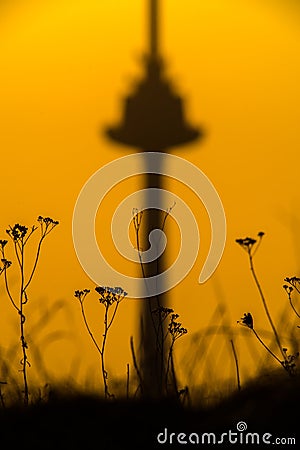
column 88, row 328
column 24, row 360
column 38, row 252
column 171, row 369
column 266, row 347
column 293, row 307
column 98, row 348
column 137, row 218
column 168, row 364
column 236, row 365
column 104, row 372
column 108, row 297
column 265, row 306
column 161, row 338
column 8, row 291
column 127, row 381
column 135, row 364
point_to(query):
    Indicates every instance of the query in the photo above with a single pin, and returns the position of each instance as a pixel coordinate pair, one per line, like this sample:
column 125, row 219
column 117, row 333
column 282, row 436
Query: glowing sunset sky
column 65, row 65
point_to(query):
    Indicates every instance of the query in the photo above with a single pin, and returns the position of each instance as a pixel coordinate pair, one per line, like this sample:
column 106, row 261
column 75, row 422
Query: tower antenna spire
column 154, row 28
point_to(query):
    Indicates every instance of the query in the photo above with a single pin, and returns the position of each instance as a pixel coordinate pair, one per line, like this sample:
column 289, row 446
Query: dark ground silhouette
column 86, row 422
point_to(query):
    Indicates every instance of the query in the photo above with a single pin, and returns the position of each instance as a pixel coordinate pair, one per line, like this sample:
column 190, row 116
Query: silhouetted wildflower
column 137, row 218
column 117, row 291
column 110, row 295
column 163, row 312
column 248, row 242
column 100, row 290
column 47, row 220
column 293, row 281
column 17, row 232
column 175, row 328
column 81, row 294
column 247, row 320
column 46, row 224
column 251, row 246
column 3, row 243
column 176, row 331
column 287, row 288
column 6, row 263
column 289, row 362
column 20, row 235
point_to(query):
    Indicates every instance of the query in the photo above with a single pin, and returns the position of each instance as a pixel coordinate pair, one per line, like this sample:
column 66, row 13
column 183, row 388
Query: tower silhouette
column 153, row 120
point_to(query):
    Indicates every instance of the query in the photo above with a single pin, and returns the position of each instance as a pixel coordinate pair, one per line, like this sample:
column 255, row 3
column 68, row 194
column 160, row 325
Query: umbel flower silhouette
column 19, row 236
column 294, row 285
column 247, row 320
column 109, row 296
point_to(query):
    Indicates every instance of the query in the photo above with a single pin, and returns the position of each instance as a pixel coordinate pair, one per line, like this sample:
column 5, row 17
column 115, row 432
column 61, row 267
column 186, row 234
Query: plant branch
column 135, row 363
column 236, row 365
column 266, row 347
column 265, row 303
column 88, row 328
column 36, row 261
column 8, row 292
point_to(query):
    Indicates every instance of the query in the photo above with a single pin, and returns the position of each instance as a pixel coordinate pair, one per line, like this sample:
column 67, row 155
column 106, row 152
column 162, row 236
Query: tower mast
column 153, row 120
column 153, row 29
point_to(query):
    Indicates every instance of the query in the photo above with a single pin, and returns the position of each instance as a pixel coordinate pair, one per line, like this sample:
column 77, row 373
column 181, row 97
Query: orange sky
column 64, row 67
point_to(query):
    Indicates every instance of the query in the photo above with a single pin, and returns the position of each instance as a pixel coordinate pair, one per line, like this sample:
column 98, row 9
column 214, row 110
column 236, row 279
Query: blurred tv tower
column 153, row 120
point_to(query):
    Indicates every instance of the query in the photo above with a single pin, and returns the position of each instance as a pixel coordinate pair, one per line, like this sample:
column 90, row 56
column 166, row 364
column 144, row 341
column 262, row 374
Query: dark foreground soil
column 262, row 415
